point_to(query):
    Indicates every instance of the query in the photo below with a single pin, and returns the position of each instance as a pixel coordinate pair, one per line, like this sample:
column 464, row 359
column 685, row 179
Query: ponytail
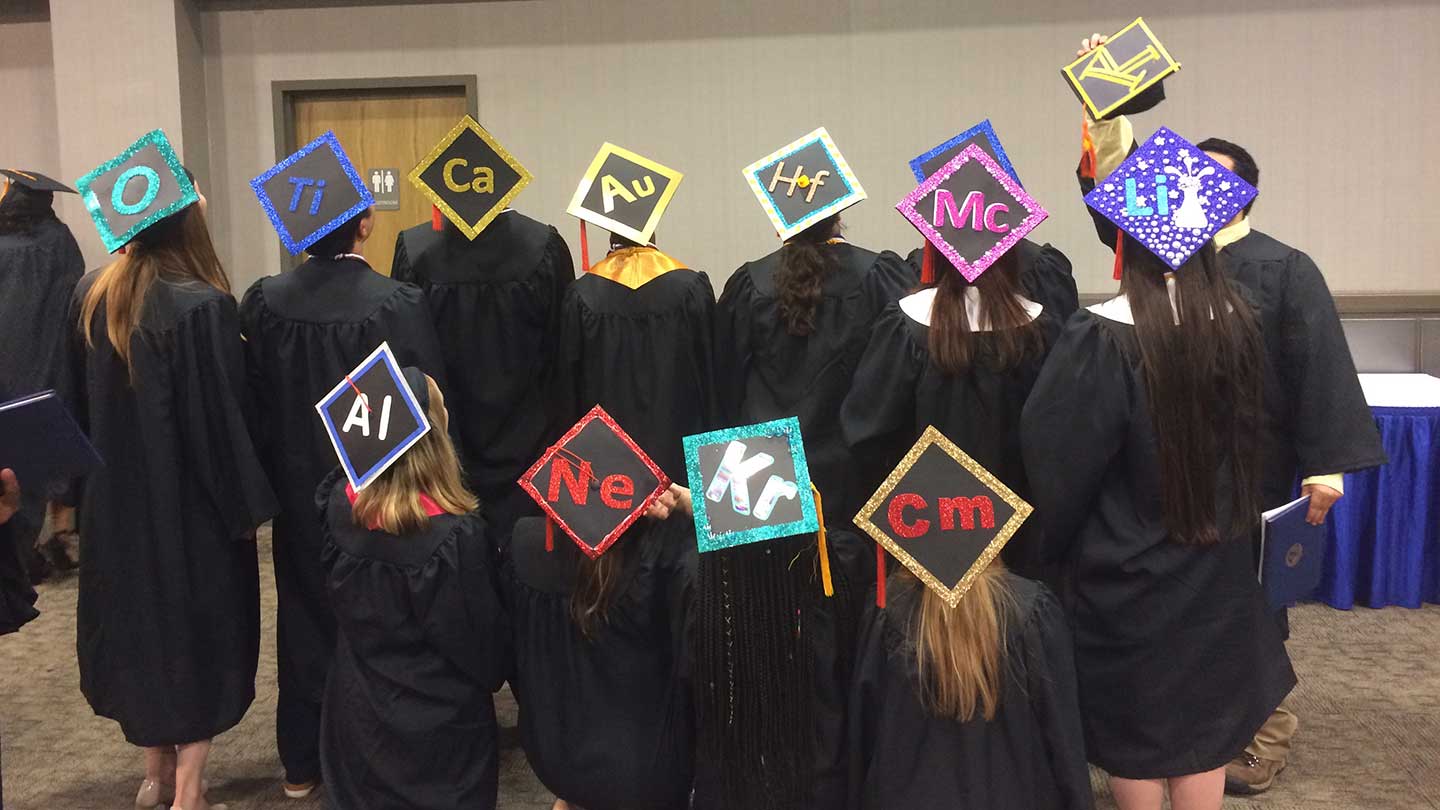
column 804, row 266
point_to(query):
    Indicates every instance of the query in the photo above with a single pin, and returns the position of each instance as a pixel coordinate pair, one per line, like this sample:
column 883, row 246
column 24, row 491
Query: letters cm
column 948, row 509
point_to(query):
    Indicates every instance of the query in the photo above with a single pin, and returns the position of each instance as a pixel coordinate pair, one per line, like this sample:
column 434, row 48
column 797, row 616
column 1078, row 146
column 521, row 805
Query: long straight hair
column 1203, row 379
column 392, row 501
column 175, row 249
column 804, row 266
column 960, row 651
column 598, row 581
column 1014, row 335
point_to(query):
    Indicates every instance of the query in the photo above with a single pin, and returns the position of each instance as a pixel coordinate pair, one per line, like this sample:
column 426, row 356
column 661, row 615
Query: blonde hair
column 960, row 651
column 392, row 501
column 177, row 248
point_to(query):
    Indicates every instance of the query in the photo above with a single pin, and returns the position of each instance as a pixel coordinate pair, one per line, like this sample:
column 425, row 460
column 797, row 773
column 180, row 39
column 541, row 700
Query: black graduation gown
column 1178, row 662
column 766, row 373
column 644, row 355
column 496, row 304
column 1030, row 756
column 409, row 719
column 1046, row 276
column 168, row 621
column 305, row 330
column 898, row 391
column 606, row 722
column 17, row 597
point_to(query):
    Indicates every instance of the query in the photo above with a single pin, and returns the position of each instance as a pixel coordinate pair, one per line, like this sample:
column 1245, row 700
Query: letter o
column 152, row 190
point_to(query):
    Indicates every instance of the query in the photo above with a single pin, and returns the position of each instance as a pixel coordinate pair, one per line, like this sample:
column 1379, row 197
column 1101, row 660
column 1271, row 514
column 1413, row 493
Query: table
column 1385, row 533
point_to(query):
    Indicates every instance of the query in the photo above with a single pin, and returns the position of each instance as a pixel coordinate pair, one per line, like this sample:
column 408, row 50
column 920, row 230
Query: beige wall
column 27, row 95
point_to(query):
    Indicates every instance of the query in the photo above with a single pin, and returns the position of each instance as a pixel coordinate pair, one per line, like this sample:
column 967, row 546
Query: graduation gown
column 1046, row 276
column 496, row 304
column 409, row 719
column 606, row 721
column 168, row 621
column 1178, row 661
column 767, row 373
column 644, row 354
column 899, row 391
column 17, row 597
column 1029, row 756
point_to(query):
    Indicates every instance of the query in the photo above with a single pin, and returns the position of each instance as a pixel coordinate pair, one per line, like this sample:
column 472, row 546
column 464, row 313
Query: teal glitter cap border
column 188, row 195
column 808, row 523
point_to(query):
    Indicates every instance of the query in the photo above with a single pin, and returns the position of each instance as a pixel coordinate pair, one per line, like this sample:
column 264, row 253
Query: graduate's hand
column 1321, row 499
column 1090, row 43
column 674, row 499
column 10, row 498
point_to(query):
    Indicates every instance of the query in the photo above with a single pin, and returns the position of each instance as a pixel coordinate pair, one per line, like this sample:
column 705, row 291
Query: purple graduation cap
column 1171, row 197
column 972, row 211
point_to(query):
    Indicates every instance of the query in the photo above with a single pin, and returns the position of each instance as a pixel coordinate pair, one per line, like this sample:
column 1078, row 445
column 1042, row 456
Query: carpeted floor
column 1369, row 703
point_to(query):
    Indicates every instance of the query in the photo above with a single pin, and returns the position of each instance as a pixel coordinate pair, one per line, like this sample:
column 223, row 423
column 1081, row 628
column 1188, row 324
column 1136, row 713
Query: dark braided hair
column 804, row 266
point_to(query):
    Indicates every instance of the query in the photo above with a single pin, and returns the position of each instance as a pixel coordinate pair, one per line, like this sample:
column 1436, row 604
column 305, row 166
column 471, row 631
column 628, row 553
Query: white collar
column 918, row 305
column 1118, row 308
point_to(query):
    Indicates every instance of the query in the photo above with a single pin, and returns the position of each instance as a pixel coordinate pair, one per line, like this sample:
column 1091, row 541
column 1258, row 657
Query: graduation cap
column 803, row 182
column 942, row 515
column 311, row 193
column 594, row 483
column 1170, row 197
column 624, row 193
column 982, row 135
column 136, row 189
column 751, row 484
column 374, row 415
column 470, row 177
column 1126, row 66
column 34, row 181
column 972, row 211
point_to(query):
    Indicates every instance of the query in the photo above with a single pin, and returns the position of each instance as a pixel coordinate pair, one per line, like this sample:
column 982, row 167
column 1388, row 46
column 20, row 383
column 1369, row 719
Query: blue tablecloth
column 1385, row 533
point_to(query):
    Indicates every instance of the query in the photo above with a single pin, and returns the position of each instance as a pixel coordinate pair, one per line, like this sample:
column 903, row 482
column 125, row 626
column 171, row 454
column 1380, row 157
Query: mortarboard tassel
column 1087, row 151
column 584, row 249
column 122, row 250
column 824, row 546
column 927, row 264
column 1119, row 252
column 549, row 534
column 879, row 576
column 436, row 223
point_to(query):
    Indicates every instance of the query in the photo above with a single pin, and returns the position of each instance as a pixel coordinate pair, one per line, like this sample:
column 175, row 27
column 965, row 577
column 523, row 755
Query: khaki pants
column 1272, row 741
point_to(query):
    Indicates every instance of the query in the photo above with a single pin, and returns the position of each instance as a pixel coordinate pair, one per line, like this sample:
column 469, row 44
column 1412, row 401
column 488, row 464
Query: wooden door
column 382, row 129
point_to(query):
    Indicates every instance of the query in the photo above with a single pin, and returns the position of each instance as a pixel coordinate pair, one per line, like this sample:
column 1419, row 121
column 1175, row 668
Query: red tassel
column 927, row 264
column 1119, row 252
column 584, row 248
column 879, row 576
column 436, row 223
column 549, row 535
column 122, row 250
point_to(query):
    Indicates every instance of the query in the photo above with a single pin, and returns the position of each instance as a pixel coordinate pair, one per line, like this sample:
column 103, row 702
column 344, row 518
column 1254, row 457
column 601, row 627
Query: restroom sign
column 385, row 188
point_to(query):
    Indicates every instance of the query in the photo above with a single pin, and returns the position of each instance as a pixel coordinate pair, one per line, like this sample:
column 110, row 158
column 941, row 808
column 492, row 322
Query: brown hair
column 1203, row 379
column 1016, row 336
column 960, row 651
column 804, row 266
column 175, row 249
column 595, row 588
column 391, row 502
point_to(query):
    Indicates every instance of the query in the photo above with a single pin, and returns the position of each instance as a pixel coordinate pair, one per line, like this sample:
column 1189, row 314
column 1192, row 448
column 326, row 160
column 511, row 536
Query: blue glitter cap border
column 809, row 522
column 983, row 128
column 258, row 185
column 188, row 195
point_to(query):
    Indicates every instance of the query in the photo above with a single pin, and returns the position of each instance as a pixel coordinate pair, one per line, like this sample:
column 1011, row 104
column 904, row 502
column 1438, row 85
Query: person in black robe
column 1177, row 658
column 972, row 393
column 168, row 622
column 1045, row 276
column 304, row 329
column 40, row 263
column 17, row 595
column 789, row 332
column 606, row 718
column 636, row 338
column 1027, row 754
column 409, row 720
column 496, row 304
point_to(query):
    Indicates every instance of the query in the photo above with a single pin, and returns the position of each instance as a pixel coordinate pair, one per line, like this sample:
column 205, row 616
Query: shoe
column 149, row 796
column 300, row 791
column 1247, row 775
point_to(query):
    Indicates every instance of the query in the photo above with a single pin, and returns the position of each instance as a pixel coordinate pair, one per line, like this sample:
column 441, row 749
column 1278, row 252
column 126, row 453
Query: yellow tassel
column 824, row 548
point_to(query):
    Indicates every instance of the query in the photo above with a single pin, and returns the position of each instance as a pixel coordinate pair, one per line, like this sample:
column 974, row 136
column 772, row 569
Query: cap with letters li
column 595, row 482
column 136, row 189
column 942, row 515
column 624, row 193
column 34, row 181
column 750, row 484
column 311, row 193
column 470, row 177
column 1170, row 197
column 803, row 182
column 375, row 414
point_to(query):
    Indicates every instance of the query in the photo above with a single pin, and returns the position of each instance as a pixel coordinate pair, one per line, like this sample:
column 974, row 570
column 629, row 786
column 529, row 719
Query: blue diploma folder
column 1292, row 554
column 41, row 443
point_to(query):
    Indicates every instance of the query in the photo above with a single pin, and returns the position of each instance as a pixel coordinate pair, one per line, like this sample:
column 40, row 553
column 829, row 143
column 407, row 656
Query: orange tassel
column 879, row 576
column 1087, row 151
column 824, row 546
column 122, row 250
column 584, row 248
column 927, row 264
column 436, row 223
column 549, row 535
column 1119, row 252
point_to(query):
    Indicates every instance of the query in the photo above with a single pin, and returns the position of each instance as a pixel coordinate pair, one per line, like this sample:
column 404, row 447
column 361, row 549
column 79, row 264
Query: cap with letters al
column 136, row 189
column 942, row 515
column 750, row 484
column 803, row 182
column 375, row 414
column 470, row 177
column 625, row 193
column 311, row 193
column 595, row 482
